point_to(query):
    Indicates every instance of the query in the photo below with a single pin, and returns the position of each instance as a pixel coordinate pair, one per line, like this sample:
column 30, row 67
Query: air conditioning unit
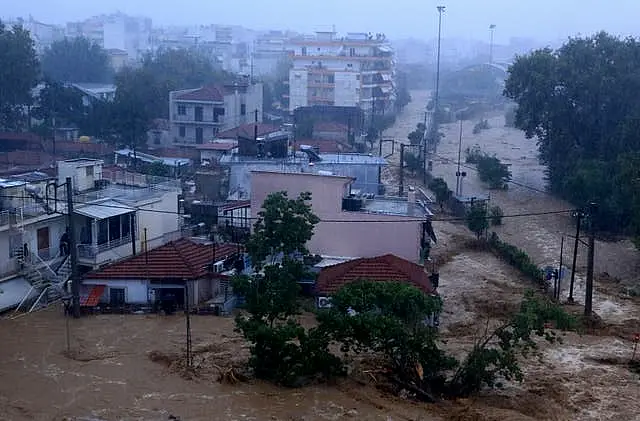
column 324, row 302
column 218, row 267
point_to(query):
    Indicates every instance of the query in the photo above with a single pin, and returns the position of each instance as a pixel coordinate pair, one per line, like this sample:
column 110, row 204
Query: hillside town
column 192, row 217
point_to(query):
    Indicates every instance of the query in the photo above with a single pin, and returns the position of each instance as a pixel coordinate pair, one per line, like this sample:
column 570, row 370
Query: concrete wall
column 298, row 81
column 135, row 290
column 352, row 234
column 158, row 217
column 347, row 89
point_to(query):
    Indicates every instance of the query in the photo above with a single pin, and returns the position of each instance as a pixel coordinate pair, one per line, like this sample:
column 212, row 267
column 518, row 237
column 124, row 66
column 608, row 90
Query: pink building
column 372, row 226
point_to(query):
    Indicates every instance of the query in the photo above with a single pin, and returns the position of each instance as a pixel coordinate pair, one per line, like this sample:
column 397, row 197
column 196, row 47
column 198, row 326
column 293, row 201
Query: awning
column 13, row 291
column 104, row 210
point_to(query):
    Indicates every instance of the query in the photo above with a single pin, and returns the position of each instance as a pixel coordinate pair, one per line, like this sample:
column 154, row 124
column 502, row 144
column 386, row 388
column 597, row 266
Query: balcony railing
column 192, row 119
column 91, row 251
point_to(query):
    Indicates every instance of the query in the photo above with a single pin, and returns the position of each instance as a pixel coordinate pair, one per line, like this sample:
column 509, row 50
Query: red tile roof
column 247, row 131
column 217, row 146
column 207, row 93
column 382, row 268
column 325, row 146
column 180, row 259
column 22, row 137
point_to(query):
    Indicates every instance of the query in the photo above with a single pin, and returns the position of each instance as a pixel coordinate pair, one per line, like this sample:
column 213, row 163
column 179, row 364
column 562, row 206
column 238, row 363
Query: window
column 157, row 137
column 198, row 114
column 89, row 172
column 352, row 52
column 103, row 231
column 243, row 109
column 182, row 131
column 182, row 110
column 217, row 114
column 199, row 135
column 331, row 79
column 304, row 51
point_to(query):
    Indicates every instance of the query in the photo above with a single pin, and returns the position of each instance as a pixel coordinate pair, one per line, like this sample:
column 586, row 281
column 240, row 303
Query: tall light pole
column 492, row 28
column 434, row 120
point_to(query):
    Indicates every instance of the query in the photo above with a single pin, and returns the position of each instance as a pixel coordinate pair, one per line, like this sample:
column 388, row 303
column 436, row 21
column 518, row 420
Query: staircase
column 45, row 281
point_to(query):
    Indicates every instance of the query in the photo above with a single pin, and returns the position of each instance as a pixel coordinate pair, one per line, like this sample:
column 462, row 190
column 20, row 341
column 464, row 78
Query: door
column 199, row 135
column 43, row 243
column 116, row 297
column 198, row 114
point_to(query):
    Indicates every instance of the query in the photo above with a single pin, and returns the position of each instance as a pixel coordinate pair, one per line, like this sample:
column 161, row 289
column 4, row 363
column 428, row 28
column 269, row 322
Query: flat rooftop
column 302, row 158
column 395, row 206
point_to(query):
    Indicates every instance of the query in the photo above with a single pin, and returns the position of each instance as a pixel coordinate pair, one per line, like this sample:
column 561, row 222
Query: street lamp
column 434, row 121
column 492, row 28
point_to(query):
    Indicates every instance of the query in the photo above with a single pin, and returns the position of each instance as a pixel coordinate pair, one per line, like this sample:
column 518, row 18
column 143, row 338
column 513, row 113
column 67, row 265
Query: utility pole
column 579, row 215
column 557, row 292
column 424, row 149
column 492, row 28
column 459, row 174
column 588, row 299
column 186, row 306
column 434, row 120
column 73, row 251
column 401, row 188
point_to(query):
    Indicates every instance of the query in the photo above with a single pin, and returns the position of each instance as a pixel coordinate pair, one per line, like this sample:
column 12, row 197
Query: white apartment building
column 197, row 115
column 116, row 32
column 356, row 70
column 269, row 51
column 118, row 213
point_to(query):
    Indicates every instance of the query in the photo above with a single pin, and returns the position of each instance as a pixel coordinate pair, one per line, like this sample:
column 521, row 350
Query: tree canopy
column 18, row 75
column 580, row 104
column 284, row 226
column 76, row 60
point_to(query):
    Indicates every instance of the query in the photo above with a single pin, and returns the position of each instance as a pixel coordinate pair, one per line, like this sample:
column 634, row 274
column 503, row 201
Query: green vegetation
column 76, row 60
column 493, row 172
column 441, row 190
column 17, row 79
column 496, row 215
column 393, row 322
column 518, row 259
column 416, row 136
column 480, row 126
column 584, row 119
column 477, row 220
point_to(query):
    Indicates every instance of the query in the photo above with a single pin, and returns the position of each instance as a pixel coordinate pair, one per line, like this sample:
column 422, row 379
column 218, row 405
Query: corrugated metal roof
column 104, row 210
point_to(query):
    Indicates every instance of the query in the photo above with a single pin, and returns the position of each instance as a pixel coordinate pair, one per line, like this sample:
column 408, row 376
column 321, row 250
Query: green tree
column 477, row 220
column 282, row 350
column 495, row 355
column 58, row 102
column 441, row 190
column 76, row 60
column 493, row 172
column 413, row 163
column 416, row 136
column 496, row 215
column 18, row 75
column 284, row 226
column 584, row 119
column 136, row 104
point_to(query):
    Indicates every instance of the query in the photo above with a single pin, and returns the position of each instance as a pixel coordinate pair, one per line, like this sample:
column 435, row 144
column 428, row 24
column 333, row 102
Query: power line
column 451, row 219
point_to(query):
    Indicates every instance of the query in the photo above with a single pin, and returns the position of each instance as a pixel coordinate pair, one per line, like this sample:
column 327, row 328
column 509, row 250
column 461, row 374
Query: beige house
column 351, row 224
column 196, row 116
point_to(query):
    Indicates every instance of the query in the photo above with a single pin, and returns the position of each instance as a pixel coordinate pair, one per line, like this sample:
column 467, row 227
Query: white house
column 197, row 115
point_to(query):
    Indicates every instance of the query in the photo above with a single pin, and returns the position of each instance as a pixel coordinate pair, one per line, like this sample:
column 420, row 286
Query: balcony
column 97, row 254
column 189, row 119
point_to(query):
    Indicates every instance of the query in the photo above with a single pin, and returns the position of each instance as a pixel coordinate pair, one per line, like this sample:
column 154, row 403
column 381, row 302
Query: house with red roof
column 386, row 268
column 202, row 270
column 196, row 116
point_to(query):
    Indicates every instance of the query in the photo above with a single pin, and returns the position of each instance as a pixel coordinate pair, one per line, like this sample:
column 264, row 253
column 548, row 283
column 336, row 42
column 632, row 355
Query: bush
column 519, row 259
column 496, row 215
column 440, row 188
column 482, row 125
column 493, row 172
column 474, row 154
column 477, row 220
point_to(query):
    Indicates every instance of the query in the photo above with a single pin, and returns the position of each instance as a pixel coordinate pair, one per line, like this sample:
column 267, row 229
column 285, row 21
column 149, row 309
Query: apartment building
column 355, row 70
column 116, row 31
column 197, row 115
column 119, row 213
column 270, row 50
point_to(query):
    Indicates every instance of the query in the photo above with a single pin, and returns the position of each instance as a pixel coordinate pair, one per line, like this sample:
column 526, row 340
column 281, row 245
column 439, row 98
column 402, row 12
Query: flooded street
column 123, row 367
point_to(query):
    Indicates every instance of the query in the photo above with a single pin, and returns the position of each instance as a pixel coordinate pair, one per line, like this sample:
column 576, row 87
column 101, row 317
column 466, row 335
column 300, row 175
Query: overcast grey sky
column 540, row 19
